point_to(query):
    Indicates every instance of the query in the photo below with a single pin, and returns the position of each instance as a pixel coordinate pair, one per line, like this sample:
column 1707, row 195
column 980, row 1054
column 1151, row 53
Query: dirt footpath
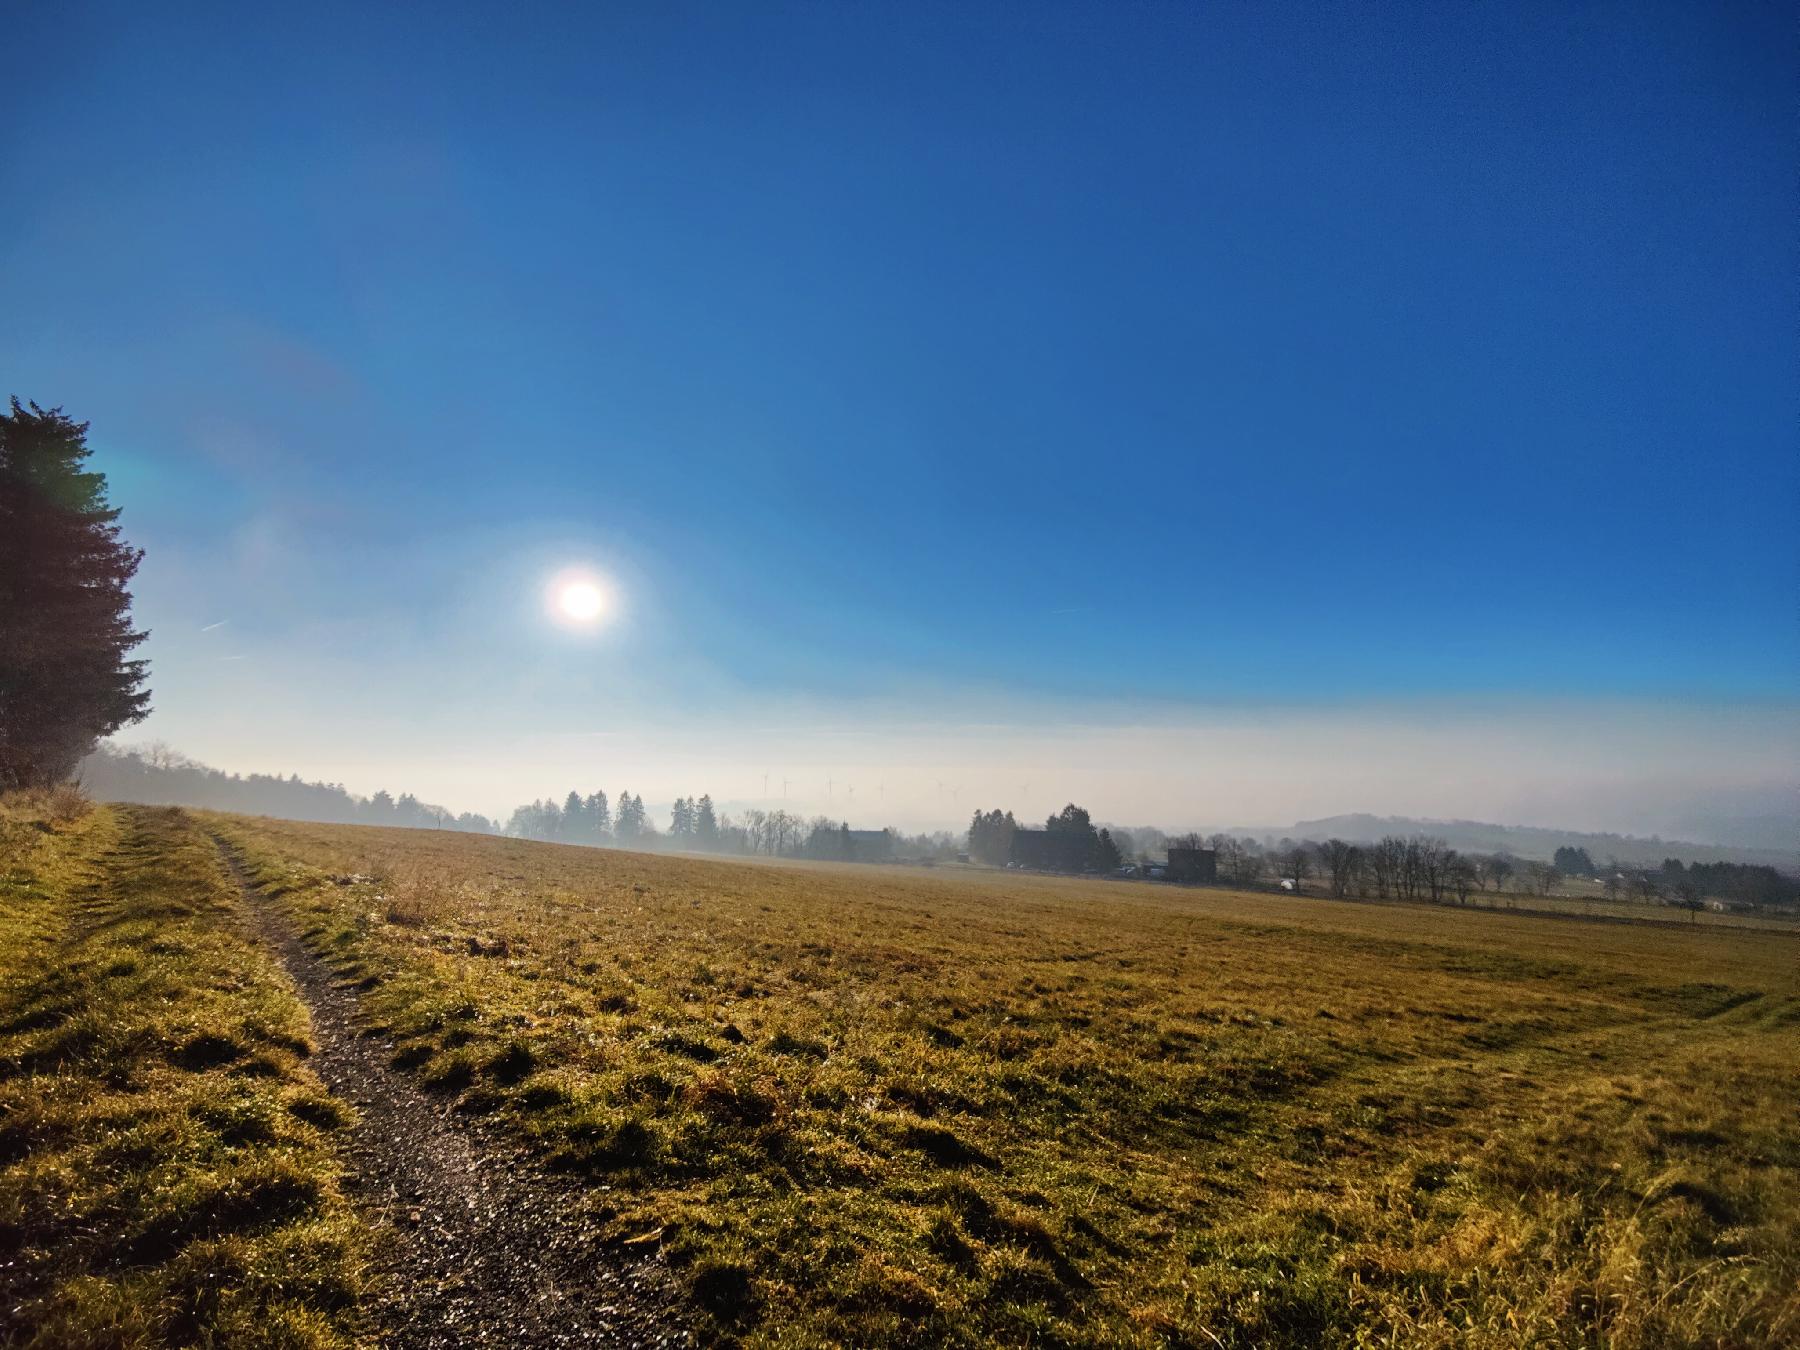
column 479, row 1249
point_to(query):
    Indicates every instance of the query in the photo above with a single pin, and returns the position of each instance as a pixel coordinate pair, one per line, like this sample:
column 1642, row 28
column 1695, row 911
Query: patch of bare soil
column 479, row 1248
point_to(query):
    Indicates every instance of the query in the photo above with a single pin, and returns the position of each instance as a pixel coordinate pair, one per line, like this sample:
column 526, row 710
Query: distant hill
column 1764, row 830
column 1531, row 841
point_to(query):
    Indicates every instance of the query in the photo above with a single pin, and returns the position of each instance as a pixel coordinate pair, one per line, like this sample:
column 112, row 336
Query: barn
column 1050, row 850
column 1193, row 864
column 869, row 845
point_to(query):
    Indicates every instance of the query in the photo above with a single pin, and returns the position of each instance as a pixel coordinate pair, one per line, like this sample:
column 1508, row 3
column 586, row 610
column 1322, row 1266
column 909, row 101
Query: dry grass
column 168, row 1167
column 882, row 1107
column 1598, row 906
column 29, row 819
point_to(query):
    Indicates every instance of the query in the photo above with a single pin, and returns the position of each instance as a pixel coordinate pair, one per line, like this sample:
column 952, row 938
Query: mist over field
column 1712, row 776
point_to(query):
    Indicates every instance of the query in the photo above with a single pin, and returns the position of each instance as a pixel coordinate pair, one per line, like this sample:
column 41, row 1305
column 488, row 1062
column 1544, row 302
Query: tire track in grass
column 481, row 1250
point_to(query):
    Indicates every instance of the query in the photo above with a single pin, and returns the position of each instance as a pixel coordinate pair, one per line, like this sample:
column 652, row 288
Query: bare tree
column 1497, row 868
column 1463, row 875
column 1688, row 896
column 789, row 830
column 1249, row 862
column 1387, row 864
column 1225, row 850
column 1343, row 864
column 756, row 829
column 1237, row 858
column 1431, row 864
column 1297, row 862
column 1412, row 869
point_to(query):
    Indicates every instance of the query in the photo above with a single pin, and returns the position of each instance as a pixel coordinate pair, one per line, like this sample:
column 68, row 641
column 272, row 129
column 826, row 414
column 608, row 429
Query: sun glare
column 578, row 599
column 581, row 601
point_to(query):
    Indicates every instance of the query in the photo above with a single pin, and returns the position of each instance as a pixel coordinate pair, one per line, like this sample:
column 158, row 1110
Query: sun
column 578, row 599
column 581, row 601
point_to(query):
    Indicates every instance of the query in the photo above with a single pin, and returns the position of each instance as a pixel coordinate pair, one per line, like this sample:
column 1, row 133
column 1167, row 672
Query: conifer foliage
column 65, row 612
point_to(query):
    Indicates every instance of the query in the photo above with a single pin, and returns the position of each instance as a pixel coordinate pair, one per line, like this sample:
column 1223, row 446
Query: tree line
column 1073, row 841
column 1749, row 885
column 1424, row 867
column 1417, row 867
column 1401, row 867
column 696, row 824
column 592, row 819
column 158, row 776
column 1396, row 867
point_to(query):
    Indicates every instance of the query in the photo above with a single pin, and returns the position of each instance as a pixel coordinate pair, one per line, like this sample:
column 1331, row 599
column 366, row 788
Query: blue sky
column 1044, row 366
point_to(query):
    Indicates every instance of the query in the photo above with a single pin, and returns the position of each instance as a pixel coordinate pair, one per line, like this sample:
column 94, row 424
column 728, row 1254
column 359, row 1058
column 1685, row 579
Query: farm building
column 869, row 845
column 1049, row 851
column 1193, row 864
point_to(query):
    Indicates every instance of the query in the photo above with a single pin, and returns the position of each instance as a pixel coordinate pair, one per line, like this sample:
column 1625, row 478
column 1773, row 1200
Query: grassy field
column 168, row 1166
column 1585, row 899
column 878, row 1106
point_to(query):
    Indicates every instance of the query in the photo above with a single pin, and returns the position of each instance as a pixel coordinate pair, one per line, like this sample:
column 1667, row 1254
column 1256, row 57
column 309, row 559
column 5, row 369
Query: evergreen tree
column 1092, row 849
column 600, row 817
column 1575, row 862
column 628, row 820
column 706, row 824
column 65, row 620
column 575, row 824
column 991, row 836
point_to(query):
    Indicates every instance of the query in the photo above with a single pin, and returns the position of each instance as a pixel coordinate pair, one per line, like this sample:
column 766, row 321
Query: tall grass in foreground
column 168, row 1169
column 864, row 1106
